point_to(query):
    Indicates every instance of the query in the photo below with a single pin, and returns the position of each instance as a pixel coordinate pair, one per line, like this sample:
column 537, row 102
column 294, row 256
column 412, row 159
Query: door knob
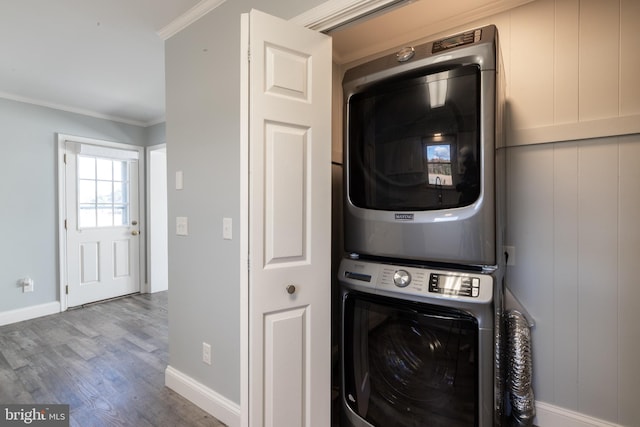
column 291, row 289
column 135, row 232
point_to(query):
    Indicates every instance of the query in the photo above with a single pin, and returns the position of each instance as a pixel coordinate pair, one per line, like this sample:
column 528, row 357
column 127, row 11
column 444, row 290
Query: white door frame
column 152, row 229
column 62, row 234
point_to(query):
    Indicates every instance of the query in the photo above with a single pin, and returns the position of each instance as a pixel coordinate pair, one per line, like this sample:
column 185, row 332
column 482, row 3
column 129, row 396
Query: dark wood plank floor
column 105, row 360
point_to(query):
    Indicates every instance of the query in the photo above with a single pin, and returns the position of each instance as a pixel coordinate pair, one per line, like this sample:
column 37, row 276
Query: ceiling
column 104, row 58
column 98, row 57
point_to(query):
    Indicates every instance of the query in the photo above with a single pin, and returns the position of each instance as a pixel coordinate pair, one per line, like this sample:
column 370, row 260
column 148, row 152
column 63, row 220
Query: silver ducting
column 519, row 369
column 500, row 368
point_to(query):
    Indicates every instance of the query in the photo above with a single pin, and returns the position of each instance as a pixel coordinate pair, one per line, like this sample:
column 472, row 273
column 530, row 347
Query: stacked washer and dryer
column 422, row 285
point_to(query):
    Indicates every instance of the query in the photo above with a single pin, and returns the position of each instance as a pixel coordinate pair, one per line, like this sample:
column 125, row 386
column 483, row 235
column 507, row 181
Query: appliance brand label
column 404, row 217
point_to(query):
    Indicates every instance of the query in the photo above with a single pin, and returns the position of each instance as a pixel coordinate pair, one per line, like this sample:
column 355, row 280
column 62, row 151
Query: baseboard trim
column 215, row 404
column 28, row 313
column 548, row 415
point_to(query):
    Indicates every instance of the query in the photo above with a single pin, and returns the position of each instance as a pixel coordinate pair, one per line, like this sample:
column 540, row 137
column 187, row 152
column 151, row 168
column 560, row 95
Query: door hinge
column 249, row 54
column 65, row 158
column 66, row 289
column 65, row 224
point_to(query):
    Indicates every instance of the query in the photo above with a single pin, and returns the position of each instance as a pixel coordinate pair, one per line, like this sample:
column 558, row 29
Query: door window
column 103, row 192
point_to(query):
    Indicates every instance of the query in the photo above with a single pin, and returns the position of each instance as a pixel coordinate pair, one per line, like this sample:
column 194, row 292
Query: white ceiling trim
column 334, row 13
column 74, row 110
column 188, row 18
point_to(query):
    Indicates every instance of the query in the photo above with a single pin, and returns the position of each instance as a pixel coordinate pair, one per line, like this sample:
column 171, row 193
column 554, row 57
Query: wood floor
column 105, row 360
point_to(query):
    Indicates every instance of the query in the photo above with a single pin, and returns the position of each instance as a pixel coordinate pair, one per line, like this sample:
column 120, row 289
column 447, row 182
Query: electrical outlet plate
column 206, row 353
column 27, row 284
column 182, row 226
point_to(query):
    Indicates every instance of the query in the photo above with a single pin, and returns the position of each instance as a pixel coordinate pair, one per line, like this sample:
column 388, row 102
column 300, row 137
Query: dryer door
column 408, row 364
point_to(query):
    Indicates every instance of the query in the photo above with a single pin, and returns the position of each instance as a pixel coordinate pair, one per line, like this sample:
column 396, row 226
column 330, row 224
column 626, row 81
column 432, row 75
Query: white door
column 289, row 224
column 102, row 222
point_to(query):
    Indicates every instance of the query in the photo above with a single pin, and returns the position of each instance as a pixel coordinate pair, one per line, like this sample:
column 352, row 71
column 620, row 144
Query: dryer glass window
column 408, row 364
column 414, row 142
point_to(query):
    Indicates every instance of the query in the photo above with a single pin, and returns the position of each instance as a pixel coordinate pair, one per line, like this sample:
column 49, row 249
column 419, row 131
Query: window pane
column 86, row 191
column 86, row 167
column 105, row 192
column 120, row 170
column 104, row 169
column 86, row 216
column 119, row 192
column 120, row 215
column 105, row 216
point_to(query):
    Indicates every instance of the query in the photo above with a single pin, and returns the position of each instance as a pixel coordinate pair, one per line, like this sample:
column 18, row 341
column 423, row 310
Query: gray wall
column 203, row 125
column 156, row 134
column 28, row 191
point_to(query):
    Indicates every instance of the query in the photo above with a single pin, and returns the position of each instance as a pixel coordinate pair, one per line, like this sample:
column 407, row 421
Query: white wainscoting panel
column 629, row 285
column 573, row 218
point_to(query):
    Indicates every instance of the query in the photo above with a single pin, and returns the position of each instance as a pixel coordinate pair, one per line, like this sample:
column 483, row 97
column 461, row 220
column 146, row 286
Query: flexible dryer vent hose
column 519, row 368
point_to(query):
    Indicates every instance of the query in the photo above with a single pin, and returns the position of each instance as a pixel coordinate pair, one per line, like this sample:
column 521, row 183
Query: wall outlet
column 206, row 353
column 182, row 226
column 27, row 284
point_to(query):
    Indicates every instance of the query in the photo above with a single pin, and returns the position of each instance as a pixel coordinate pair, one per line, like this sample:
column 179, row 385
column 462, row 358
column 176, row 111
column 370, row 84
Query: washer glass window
column 409, row 364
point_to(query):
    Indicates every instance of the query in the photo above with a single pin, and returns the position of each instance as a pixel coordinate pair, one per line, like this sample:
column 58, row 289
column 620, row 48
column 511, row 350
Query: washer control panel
column 450, row 284
column 415, row 280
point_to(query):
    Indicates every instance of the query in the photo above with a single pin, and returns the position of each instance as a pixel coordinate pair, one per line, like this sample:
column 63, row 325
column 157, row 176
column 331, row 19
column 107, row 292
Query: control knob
column 401, row 278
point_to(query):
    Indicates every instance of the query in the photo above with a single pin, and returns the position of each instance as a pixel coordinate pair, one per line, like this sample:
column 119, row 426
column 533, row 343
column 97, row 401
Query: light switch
column 182, row 226
column 227, row 228
column 179, row 180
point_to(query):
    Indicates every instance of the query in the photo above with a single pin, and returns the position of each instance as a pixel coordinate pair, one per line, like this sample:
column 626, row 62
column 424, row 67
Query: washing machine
column 419, row 345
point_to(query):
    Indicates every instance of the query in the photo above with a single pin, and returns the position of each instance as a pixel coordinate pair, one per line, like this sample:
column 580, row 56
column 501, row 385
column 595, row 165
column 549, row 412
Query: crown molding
column 74, row 110
column 188, row 18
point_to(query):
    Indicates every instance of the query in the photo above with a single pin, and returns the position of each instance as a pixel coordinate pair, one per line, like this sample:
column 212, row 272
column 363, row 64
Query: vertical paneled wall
column 573, row 206
column 572, row 61
column 573, row 218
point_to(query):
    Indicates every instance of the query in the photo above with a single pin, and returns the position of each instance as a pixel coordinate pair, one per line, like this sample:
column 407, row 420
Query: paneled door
column 102, row 222
column 289, row 279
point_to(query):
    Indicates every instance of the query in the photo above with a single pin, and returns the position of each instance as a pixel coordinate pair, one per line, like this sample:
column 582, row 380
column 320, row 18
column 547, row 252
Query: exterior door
column 102, row 222
column 289, row 87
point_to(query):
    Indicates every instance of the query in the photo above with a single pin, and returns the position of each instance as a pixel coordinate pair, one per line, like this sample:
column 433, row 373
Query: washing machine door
column 408, row 364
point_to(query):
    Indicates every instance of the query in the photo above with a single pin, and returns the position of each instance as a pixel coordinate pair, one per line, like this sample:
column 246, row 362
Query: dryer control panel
column 415, row 280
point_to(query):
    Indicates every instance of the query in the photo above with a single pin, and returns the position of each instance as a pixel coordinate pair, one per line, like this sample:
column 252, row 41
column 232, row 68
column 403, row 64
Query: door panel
column 89, row 262
column 121, row 258
column 285, row 347
column 289, row 134
column 285, row 178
